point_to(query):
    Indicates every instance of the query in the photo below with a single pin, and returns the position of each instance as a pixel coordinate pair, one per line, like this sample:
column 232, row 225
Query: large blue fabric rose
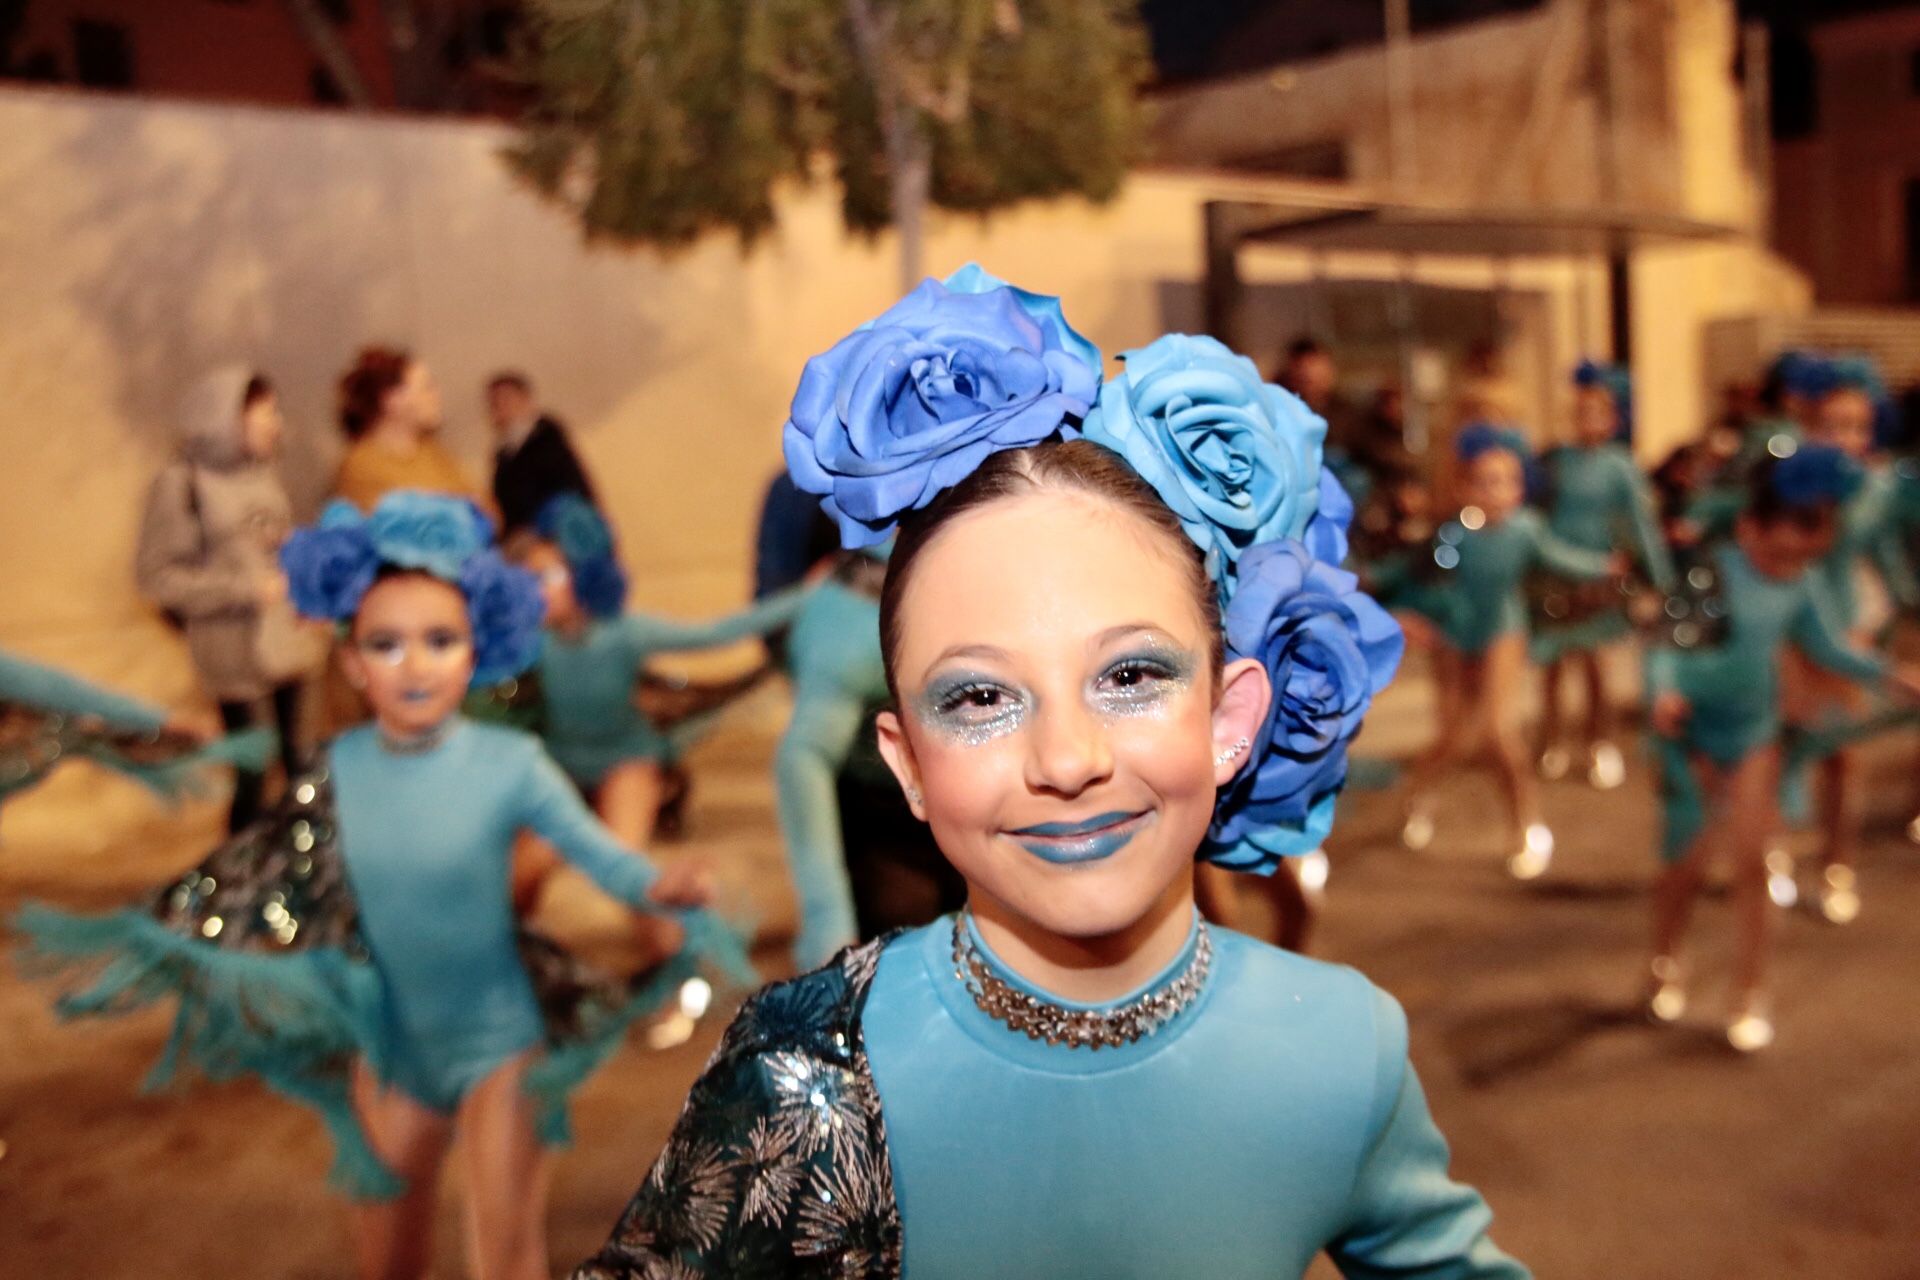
column 1235, row 458
column 911, row 403
column 1326, row 535
column 328, row 569
column 430, row 531
column 1328, row 649
column 1816, row 474
column 506, row 611
column 600, row 586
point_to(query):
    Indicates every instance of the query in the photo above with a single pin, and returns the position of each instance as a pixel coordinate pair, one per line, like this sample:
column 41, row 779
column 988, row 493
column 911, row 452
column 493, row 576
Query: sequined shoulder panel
column 778, row 1164
column 280, row 885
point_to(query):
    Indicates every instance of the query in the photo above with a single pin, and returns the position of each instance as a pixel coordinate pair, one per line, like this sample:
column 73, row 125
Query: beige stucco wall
column 142, row 241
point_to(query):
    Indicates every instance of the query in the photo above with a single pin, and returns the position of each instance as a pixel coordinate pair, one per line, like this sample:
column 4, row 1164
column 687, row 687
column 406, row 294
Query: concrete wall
column 140, row 242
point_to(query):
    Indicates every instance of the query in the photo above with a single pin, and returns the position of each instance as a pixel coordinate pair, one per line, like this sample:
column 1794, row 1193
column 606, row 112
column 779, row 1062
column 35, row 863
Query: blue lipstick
column 1098, row 837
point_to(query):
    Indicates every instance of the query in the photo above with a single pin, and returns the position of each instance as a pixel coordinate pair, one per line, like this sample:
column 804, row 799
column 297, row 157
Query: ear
column 891, row 737
column 1245, row 694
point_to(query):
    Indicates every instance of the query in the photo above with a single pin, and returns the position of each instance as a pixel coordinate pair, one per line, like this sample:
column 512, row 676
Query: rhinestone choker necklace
column 1040, row 1019
column 419, row 744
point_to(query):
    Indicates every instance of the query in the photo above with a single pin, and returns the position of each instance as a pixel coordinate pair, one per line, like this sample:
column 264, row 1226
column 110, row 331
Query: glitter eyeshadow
column 1167, row 670
column 942, row 709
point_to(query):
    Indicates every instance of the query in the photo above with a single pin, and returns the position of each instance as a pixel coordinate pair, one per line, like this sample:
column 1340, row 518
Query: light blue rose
column 431, row 531
column 1235, row 458
column 909, row 404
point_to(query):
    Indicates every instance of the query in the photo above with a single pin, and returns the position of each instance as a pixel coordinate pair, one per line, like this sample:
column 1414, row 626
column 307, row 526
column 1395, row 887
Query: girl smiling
column 1075, row 1076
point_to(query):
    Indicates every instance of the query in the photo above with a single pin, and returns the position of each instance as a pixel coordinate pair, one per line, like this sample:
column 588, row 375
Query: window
column 102, row 54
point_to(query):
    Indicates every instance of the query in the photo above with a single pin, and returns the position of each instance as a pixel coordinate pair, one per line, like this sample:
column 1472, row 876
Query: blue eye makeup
column 1141, row 682
column 970, row 708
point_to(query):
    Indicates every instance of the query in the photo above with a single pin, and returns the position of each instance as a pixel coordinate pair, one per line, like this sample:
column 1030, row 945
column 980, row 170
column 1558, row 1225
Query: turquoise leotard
column 833, row 655
column 592, row 723
column 1733, row 688
column 1870, row 528
column 1601, row 502
column 428, row 841
column 1274, row 1118
column 1480, row 599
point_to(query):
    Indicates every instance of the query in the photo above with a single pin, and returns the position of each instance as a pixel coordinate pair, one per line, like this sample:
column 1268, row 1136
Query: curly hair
column 375, row 372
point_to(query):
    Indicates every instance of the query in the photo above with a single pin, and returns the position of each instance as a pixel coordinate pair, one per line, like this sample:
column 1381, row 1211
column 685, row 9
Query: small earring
column 1232, row 752
column 913, row 795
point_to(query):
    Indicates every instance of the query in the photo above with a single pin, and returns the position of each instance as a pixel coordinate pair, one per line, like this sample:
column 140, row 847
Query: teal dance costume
column 1600, row 502
column 1732, row 683
column 587, row 682
column 915, row 1107
column 368, row 916
column 833, row 656
column 48, row 716
column 1474, row 593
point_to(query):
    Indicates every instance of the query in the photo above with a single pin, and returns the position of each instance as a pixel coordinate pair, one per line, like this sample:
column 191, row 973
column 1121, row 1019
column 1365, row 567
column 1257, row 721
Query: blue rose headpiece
column 331, row 565
column 1815, row 475
column 1802, row 373
column 1479, row 438
column 1860, row 373
column 911, row 404
column 1615, row 381
column 585, row 541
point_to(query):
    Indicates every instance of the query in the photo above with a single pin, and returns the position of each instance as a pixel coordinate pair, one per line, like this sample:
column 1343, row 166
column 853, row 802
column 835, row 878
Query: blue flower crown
column 585, row 541
column 332, row 564
column 913, row 402
column 1616, row 381
column 1815, row 475
column 1478, row 439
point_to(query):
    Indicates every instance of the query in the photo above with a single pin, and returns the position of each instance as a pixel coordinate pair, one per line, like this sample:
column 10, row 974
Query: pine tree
column 658, row 121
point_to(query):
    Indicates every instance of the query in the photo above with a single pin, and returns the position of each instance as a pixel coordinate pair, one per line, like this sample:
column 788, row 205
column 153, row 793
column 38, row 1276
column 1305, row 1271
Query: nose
column 1068, row 749
column 415, row 664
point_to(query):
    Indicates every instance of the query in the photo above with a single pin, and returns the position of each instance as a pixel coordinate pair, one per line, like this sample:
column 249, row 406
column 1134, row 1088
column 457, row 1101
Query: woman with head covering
column 209, row 549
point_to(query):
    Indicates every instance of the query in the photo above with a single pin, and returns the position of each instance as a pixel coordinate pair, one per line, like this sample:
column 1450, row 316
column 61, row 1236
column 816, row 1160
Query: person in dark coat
column 533, row 461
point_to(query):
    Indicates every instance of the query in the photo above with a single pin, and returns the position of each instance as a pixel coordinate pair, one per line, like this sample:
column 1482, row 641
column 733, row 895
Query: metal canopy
column 1480, row 233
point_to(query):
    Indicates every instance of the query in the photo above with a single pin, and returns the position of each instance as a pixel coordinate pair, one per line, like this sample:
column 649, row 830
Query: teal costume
column 367, row 917
column 53, row 716
column 833, row 655
column 428, row 840
column 1600, row 502
column 1732, row 687
column 871, row 1119
column 587, row 682
column 1871, row 529
column 1476, row 597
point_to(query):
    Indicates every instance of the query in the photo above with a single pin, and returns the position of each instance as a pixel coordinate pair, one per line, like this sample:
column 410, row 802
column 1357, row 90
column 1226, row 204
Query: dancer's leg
column 393, row 1239
column 506, row 1179
column 808, row 761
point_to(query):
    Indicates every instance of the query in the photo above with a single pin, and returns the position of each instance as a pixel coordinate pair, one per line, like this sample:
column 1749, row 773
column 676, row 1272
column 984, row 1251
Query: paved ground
column 1608, row 1150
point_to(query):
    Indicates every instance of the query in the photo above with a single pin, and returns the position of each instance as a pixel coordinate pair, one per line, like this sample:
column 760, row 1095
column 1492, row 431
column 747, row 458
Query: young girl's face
column 1595, row 418
column 544, row 560
column 1845, row 421
column 1058, row 713
column 1496, row 483
column 411, row 652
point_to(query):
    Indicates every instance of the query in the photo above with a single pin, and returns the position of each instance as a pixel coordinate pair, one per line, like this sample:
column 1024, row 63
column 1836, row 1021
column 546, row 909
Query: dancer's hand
column 682, row 884
column 1669, row 715
column 1684, row 532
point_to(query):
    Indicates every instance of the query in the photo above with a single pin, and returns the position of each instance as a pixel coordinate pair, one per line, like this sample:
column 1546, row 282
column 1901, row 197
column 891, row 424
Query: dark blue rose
column 1328, row 649
column 572, row 524
column 506, row 611
column 910, row 404
column 431, row 531
column 328, row 569
column 600, row 585
column 1236, row 458
column 1326, row 535
column 1814, row 474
